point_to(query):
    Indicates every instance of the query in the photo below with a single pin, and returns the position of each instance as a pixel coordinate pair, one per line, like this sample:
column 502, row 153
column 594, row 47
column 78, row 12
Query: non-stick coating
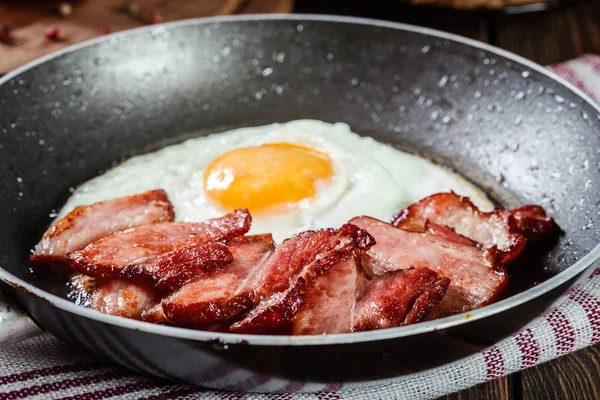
column 514, row 131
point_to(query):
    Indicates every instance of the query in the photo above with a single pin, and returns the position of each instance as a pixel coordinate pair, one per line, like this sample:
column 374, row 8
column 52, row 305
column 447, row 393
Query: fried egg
column 292, row 177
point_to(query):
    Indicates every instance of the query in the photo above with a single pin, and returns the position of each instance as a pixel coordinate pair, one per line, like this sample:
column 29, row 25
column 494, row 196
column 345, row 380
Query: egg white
column 370, row 178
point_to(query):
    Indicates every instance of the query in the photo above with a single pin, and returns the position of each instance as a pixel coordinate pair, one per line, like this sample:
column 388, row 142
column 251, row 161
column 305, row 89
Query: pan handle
column 15, row 325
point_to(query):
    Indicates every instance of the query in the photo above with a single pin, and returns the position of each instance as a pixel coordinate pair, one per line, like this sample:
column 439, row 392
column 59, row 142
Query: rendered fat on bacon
column 475, row 280
column 343, row 300
column 281, row 283
column 508, row 230
column 330, row 301
column 86, row 224
column 221, row 295
column 165, row 254
column 399, row 298
column 124, row 299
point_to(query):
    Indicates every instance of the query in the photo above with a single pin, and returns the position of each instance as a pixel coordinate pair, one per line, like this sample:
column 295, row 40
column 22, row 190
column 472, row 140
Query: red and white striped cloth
column 44, row 368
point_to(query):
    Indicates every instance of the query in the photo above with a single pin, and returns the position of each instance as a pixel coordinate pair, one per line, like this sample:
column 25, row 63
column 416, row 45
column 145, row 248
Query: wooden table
column 546, row 38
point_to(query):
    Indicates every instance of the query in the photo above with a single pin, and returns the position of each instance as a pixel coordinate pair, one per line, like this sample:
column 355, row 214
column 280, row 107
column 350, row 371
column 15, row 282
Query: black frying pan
column 505, row 123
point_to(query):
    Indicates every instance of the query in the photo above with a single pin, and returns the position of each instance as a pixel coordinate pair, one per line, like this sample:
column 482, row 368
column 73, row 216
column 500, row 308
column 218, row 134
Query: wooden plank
column 588, row 18
column 268, row 6
column 546, row 38
column 498, row 389
column 90, row 18
column 574, row 376
column 460, row 23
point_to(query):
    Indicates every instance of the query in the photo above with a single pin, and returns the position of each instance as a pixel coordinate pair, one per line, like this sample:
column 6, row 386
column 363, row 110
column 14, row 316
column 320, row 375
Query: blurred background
column 545, row 31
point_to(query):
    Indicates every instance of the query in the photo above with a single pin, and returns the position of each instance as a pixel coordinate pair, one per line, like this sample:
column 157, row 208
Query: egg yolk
column 261, row 177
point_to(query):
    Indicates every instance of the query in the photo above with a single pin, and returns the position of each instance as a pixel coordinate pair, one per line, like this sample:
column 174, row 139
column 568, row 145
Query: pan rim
column 333, row 339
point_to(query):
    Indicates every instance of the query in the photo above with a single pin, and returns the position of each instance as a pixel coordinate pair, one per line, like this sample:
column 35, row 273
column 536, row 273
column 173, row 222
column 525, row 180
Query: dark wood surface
column 28, row 19
column 547, row 38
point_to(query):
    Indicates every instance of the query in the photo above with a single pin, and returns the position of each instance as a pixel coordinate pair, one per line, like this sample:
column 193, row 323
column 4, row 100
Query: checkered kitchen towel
column 44, row 368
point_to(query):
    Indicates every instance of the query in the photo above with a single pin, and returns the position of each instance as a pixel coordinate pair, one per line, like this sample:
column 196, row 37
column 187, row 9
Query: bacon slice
column 123, row 299
column 117, row 297
column 86, row 224
column 151, row 250
column 508, row 230
column 475, row 281
column 154, row 314
column 330, row 301
column 399, row 298
column 273, row 313
column 342, row 300
column 166, row 271
column 532, row 222
column 222, row 295
column 280, row 284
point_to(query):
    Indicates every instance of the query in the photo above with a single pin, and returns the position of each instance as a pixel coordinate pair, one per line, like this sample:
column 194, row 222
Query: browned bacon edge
column 123, row 299
column 474, row 277
column 399, row 298
column 449, row 234
column 330, row 301
column 427, row 301
column 154, row 315
column 455, row 301
column 220, row 296
column 150, row 251
column 275, row 309
column 494, row 256
column 273, row 313
column 85, row 224
column 532, row 222
column 169, row 271
column 528, row 222
column 182, row 265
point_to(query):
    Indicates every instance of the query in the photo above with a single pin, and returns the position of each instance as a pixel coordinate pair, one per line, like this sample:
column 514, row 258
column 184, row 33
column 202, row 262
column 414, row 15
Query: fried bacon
column 151, row 251
column 86, row 224
column 154, row 314
column 342, row 300
column 474, row 279
column 441, row 256
column 532, row 222
column 272, row 313
column 507, row 230
column 281, row 282
column 399, row 298
column 165, row 271
column 330, row 301
column 222, row 295
column 123, row 299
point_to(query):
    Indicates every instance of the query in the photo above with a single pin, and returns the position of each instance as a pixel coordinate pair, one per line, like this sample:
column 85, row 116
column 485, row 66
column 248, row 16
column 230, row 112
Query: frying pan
column 508, row 125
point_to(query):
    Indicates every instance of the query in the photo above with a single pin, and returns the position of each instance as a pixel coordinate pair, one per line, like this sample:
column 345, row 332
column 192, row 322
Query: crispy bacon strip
column 151, row 250
column 532, row 222
column 123, row 299
column 508, row 230
column 273, row 313
column 330, row 301
column 280, row 284
column 342, row 300
column 86, row 224
column 399, row 298
column 165, row 271
column 475, row 281
column 222, row 295
column 117, row 297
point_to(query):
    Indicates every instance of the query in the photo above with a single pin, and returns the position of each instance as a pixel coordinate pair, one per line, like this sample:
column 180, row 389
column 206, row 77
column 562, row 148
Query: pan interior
column 515, row 132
